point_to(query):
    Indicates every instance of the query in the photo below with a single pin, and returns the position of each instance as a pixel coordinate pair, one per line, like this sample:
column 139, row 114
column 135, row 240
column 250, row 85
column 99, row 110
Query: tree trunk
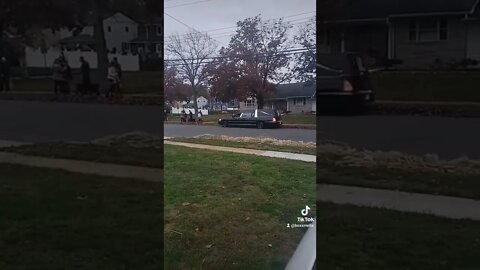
column 2, row 51
column 195, row 97
column 101, row 46
column 260, row 101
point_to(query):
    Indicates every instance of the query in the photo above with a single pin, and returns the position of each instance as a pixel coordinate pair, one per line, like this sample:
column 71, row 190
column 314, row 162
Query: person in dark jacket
column 4, row 74
column 85, row 70
column 118, row 67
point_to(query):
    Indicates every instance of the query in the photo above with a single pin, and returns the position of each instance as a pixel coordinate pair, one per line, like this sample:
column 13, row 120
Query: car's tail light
column 274, row 120
column 347, row 86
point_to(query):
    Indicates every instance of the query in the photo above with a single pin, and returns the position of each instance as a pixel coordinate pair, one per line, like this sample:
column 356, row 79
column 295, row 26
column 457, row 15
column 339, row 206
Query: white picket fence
column 178, row 110
column 35, row 58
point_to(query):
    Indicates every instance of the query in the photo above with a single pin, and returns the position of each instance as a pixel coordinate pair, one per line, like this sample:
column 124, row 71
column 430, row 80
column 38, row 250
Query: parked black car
column 260, row 118
column 343, row 79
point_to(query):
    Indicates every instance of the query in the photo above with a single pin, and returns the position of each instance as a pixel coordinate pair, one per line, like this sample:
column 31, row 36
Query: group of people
column 184, row 119
column 62, row 76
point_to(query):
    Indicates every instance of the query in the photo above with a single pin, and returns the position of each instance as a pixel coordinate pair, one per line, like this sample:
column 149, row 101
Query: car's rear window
column 267, row 112
column 333, row 61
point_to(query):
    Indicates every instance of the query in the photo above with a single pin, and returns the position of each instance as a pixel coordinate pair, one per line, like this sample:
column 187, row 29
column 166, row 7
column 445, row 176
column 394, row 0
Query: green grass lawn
column 363, row 238
column 120, row 154
column 429, row 182
column 133, row 82
column 301, row 119
column 52, row 219
column 249, row 145
column 223, row 210
column 328, row 171
column 427, row 86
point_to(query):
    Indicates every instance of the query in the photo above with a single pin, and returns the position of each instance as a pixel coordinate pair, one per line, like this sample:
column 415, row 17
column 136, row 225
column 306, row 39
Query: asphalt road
column 175, row 130
column 449, row 138
column 43, row 122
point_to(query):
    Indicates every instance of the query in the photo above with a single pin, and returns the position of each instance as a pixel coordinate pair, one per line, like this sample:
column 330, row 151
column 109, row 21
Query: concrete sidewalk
column 442, row 206
column 85, row 167
column 262, row 153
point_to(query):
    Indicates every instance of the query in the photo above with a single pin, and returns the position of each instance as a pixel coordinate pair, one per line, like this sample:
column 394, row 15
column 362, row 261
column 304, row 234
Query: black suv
column 259, row 118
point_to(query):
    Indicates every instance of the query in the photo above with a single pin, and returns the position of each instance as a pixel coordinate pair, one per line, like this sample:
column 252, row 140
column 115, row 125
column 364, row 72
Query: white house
column 118, row 28
column 202, row 102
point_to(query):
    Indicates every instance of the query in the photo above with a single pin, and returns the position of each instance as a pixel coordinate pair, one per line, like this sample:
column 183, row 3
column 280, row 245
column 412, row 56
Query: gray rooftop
column 381, row 9
column 292, row 90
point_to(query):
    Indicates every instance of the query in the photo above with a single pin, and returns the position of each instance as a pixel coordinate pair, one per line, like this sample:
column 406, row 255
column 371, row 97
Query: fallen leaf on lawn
column 82, row 197
column 270, row 245
column 209, row 246
column 247, row 219
column 186, row 204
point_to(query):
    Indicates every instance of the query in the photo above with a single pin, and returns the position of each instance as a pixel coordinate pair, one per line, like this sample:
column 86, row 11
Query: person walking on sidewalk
column 4, row 74
column 183, row 117
column 119, row 72
column 200, row 120
column 190, row 118
column 58, row 78
column 85, row 70
column 113, row 79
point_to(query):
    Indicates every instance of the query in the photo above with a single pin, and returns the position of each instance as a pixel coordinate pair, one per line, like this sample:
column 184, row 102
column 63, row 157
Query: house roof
column 292, row 90
column 382, row 9
column 90, row 18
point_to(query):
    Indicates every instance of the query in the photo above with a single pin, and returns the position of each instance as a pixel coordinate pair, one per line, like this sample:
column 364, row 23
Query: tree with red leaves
column 254, row 61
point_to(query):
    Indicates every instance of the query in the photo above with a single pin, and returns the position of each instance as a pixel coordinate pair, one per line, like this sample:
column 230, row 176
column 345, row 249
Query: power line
column 282, row 53
column 229, row 33
column 289, row 16
column 188, row 4
column 188, row 26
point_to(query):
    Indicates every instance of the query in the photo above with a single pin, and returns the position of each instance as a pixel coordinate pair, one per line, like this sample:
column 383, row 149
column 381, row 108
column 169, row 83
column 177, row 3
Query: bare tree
column 191, row 52
column 305, row 68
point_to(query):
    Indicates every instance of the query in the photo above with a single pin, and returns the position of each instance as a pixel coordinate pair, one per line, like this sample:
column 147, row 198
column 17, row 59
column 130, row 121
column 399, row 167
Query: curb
column 468, row 110
column 291, row 126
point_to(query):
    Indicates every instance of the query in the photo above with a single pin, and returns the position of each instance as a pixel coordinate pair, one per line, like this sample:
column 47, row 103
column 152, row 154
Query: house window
column 109, row 29
column 250, row 102
column 428, row 30
column 300, row 101
column 159, row 48
column 443, row 29
column 159, row 31
column 127, row 29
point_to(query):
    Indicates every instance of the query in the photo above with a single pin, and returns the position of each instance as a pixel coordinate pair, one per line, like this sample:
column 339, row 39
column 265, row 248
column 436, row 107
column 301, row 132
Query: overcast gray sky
column 206, row 15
